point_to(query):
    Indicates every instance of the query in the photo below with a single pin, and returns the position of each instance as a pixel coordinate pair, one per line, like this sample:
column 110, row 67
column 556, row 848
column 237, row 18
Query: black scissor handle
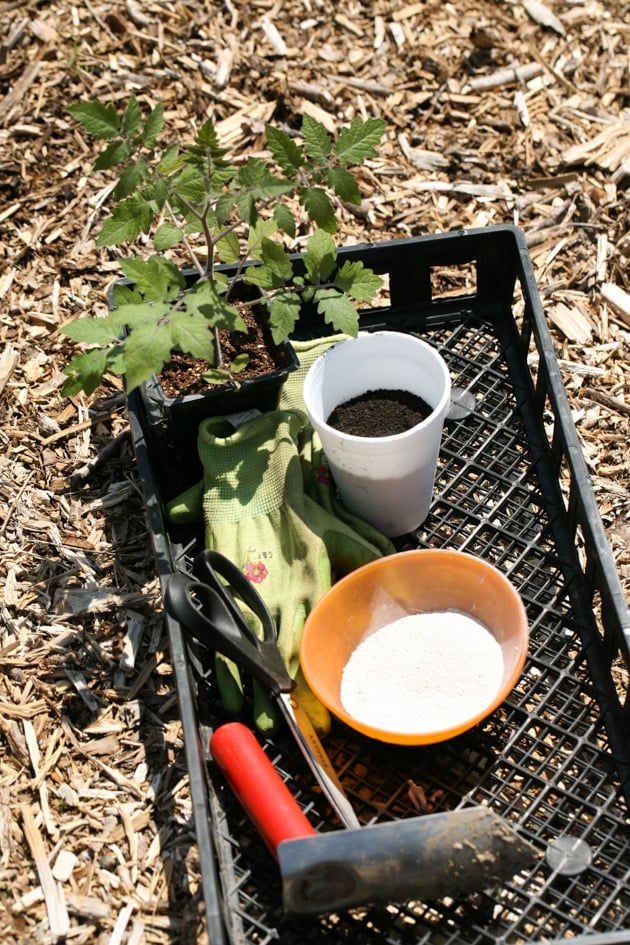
column 207, row 567
column 207, row 611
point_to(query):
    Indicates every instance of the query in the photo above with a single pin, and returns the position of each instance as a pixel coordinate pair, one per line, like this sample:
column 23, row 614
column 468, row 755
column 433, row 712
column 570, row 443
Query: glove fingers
column 186, row 508
column 317, row 712
column 289, row 623
column 347, row 553
column 266, row 716
column 229, row 684
column 308, row 352
column 328, row 498
column 319, row 486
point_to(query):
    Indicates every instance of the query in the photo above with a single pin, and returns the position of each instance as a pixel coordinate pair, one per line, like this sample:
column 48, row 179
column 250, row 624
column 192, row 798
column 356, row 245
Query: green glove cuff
column 307, row 352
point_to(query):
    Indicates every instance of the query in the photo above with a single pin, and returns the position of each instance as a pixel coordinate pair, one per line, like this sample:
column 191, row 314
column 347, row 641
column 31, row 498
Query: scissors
column 206, row 608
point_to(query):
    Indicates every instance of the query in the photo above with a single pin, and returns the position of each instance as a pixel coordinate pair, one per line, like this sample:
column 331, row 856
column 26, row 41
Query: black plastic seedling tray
column 554, row 759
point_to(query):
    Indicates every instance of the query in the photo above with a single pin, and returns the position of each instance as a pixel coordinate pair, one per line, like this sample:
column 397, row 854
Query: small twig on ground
column 78, row 427
column 109, row 450
column 15, row 502
column 608, row 401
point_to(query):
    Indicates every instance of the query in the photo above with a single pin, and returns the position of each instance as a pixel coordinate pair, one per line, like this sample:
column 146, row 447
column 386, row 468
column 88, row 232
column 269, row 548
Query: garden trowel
column 444, row 854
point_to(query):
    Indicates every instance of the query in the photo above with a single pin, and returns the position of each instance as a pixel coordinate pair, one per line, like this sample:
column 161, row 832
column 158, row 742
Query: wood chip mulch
column 516, row 112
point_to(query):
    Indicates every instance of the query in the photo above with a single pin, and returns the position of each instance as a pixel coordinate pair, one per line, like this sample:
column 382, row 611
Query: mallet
column 445, row 854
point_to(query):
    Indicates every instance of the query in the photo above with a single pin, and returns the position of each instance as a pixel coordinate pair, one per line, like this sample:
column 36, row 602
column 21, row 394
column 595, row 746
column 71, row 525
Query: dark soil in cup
column 380, row 413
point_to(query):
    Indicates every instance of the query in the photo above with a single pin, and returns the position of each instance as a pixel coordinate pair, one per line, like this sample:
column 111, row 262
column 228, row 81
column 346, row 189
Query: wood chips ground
column 509, row 111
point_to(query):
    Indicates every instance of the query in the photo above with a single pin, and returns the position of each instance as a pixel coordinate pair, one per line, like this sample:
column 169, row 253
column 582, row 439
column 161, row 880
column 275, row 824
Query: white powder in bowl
column 423, row 672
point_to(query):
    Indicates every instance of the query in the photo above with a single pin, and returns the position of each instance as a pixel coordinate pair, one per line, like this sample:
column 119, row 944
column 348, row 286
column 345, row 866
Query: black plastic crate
column 554, row 759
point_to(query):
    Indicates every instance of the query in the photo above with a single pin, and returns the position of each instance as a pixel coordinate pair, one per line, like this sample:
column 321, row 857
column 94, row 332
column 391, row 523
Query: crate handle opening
column 454, row 281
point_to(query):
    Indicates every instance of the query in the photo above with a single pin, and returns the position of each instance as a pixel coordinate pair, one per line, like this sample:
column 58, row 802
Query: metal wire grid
column 541, row 760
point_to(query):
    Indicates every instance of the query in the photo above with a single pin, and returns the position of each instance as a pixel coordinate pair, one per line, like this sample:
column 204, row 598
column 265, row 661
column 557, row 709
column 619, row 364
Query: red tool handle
column 263, row 794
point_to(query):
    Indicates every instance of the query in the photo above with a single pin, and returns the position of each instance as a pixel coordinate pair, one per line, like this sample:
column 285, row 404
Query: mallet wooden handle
column 261, row 791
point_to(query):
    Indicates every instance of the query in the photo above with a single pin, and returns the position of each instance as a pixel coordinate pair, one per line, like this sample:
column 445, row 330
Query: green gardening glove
column 257, row 513
column 318, row 482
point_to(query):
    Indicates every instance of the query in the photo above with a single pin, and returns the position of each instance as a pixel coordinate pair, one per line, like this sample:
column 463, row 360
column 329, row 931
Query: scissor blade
column 317, row 759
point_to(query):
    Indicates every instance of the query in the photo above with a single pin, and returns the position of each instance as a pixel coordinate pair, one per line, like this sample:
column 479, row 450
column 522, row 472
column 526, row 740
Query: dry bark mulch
column 516, row 112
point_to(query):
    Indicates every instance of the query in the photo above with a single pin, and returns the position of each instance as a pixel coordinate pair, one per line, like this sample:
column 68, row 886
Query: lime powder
column 422, row 672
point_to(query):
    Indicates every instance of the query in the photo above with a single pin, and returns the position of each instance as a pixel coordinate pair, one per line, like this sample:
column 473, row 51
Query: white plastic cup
column 387, row 481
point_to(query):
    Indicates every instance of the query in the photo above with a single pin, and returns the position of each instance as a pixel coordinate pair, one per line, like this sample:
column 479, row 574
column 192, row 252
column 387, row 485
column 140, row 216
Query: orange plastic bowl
column 412, row 582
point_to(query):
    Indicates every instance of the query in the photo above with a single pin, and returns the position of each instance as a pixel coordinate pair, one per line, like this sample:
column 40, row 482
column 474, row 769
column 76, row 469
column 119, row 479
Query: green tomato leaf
column 224, row 207
column 319, row 207
column 115, row 153
column 132, row 117
column 276, row 269
column 320, row 257
column 115, row 361
column 154, row 127
column 130, row 218
column 171, row 159
column 85, row 372
column 239, row 363
column 166, row 236
column 156, row 194
column 262, row 229
column 101, row 121
column 252, row 174
column 317, row 142
column 247, row 207
column 359, row 140
column 284, row 311
column 228, row 249
column 146, row 350
column 123, row 293
column 221, row 282
column 256, row 178
column 357, row 280
column 191, row 332
column 277, row 259
column 130, row 179
column 205, row 298
column 262, row 276
column 284, row 150
column 190, row 186
column 284, row 219
column 343, row 184
column 337, row 310
column 137, row 314
column 207, row 140
column 93, row 331
column 156, row 279
column 217, row 376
